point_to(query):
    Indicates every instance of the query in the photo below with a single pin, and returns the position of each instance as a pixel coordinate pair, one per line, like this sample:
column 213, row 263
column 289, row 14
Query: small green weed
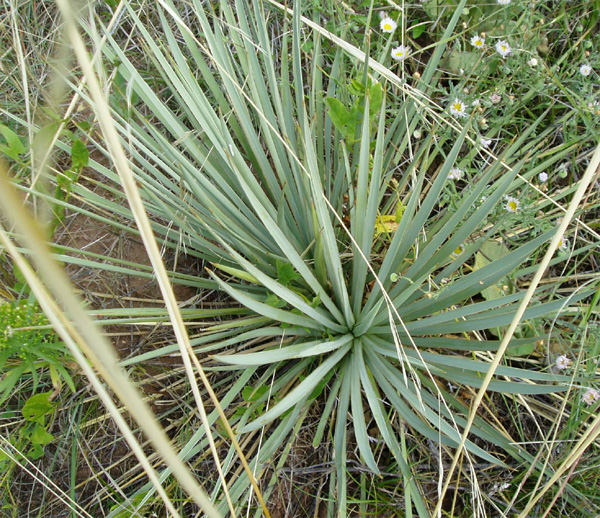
column 28, row 347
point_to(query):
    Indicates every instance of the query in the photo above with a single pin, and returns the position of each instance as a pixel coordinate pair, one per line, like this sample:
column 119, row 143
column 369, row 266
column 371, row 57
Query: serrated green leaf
column 40, row 435
column 79, row 155
column 286, row 273
column 37, row 406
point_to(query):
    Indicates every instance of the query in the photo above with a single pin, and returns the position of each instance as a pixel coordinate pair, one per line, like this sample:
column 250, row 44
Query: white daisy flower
column 543, row 176
column 388, row 24
column 455, row 173
column 585, row 70
column 512, row 204
column 533, row 62
column 590, row 396
column 458, row 250
column 563, row 362
column 594, row 106
column 458, row 108
column 503, row 2
column 485, row 142
column 478, row 41
column 503, row 48
column 401, row 52
column 495, row 98
column 563, row 244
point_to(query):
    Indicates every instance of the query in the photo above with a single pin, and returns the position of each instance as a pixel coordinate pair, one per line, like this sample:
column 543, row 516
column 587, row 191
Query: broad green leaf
column 286, row 273
column 40, row 436
column 343, row 118
column 15, row 146
column 37, row 406
column 419, row 29
column 375, row 100
column 459, row 60
column 490, row 252
column 79, row 155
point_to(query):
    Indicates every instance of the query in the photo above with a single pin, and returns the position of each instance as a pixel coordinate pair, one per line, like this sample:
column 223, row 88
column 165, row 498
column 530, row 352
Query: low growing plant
column 302, row 185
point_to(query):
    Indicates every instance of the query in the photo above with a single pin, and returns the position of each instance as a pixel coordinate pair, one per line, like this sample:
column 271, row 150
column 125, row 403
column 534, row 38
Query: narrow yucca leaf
column 456, row 369
column 368, row 198
column 358, row 414
column 301, row 350
column 301, row 391
column 389, row 435
column 332, row 259
column 472, row 283
column 288, row 295
column 423, row 411
column 326, row 414
column 410, row 227
column 234, row 336
column 492, row 318
column 339, row 485
column 276, row 314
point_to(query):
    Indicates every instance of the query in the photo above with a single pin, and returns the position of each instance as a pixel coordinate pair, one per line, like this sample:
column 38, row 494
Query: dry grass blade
column 7, row 449
column 590, row 435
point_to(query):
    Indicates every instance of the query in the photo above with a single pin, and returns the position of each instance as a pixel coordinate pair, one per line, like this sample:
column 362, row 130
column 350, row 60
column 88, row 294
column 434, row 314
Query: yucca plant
column 295, row 179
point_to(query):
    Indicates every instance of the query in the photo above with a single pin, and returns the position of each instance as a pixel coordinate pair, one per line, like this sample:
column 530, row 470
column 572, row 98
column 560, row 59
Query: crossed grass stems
column 244, row 162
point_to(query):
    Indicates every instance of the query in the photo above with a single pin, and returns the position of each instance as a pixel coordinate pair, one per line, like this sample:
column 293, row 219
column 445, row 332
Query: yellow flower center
column 478, row 43
column 458, row 251
column 457, row 106
column 512, row 205
column 503, row 47
column 387, row 26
